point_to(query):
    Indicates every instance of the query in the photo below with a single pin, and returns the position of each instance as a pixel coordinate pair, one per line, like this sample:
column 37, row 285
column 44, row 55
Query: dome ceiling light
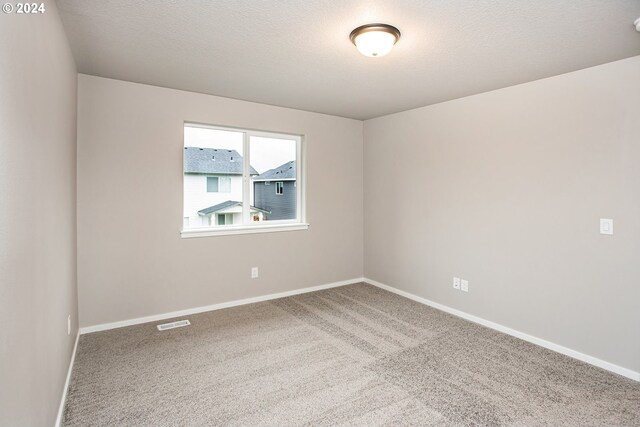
column 375, row 39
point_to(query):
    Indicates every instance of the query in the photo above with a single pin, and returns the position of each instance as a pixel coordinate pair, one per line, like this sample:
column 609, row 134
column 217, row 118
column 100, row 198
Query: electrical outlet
column 69, row 325
column 254, row 272
column 456, row 283
column 606, row 226
column 464, row 285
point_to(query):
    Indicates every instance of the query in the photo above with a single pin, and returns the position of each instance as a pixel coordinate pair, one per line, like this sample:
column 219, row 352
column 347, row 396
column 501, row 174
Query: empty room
column 287, row 213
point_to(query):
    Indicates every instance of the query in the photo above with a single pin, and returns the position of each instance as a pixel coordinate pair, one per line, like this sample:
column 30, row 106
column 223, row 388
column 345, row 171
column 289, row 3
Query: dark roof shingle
column 213, row 160
column 285, row 172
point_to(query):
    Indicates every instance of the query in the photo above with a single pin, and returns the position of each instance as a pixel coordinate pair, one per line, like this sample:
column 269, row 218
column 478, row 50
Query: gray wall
column 130, row 144
column 505, row 189
column 37, row 216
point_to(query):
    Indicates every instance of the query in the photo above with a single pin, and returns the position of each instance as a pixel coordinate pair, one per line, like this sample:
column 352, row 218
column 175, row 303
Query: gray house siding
column 281, row 206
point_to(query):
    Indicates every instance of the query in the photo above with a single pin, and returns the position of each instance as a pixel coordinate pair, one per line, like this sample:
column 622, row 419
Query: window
column 227, row 176
column 212, row 184
column 218, row 184
column 224, row 184
column 225, row 219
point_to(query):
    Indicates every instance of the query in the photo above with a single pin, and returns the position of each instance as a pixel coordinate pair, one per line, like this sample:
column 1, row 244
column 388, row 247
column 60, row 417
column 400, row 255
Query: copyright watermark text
column 23, row 8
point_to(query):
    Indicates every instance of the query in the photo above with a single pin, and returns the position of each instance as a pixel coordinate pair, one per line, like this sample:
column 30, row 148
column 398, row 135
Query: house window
column 212, row 184
column 218, row 184
column 226, row 172
column 224, row 183
column 225, row 219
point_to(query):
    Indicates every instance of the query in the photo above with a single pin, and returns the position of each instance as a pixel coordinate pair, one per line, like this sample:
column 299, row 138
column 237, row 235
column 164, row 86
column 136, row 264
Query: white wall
column 37, row 216
column 130, row 144
column 507, row 188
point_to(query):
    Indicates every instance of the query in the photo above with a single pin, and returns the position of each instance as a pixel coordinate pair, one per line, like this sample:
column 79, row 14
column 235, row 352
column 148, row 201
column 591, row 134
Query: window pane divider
column 246, row 175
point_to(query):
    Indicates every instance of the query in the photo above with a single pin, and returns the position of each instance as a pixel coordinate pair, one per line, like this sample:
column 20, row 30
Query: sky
column 266, row 153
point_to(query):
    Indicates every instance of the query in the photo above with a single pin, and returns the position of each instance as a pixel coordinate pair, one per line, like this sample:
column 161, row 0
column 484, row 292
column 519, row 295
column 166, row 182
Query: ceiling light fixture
column 375, row 39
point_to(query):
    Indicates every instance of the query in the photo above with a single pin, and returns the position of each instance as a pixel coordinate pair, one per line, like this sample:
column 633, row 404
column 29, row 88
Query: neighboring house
column 275, row 191
column 228, row 213
column 213, row 187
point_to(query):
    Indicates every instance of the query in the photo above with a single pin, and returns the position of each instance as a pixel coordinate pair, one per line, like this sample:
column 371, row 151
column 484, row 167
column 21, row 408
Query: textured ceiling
column 296, row 53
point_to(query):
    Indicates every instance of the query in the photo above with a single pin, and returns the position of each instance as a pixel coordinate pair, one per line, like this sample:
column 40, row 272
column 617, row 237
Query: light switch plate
column 606, row 226
column 254, row 273
column 456, row 283
column 464, row 285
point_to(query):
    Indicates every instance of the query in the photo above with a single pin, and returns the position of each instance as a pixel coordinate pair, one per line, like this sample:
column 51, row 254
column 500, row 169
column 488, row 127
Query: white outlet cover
column 254, row 272
column 456, row 283
column 464, row 285
column 606, row 226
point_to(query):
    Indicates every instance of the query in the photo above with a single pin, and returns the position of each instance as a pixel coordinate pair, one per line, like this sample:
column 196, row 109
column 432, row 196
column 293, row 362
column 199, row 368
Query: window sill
column 249, row 229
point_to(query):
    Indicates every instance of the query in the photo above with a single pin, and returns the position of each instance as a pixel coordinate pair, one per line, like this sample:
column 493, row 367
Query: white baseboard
column 625, row 372
column 190, row 311
column 66, row 383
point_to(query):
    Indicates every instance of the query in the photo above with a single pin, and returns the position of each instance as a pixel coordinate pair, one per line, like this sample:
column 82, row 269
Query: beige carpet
column 354, row 355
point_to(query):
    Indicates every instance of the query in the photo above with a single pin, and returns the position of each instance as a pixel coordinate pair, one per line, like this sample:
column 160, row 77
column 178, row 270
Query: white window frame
column 280, row 185
column 247, row 226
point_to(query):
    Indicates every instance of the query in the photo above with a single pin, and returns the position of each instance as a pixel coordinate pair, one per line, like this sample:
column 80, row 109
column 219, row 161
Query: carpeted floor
column 354, row 355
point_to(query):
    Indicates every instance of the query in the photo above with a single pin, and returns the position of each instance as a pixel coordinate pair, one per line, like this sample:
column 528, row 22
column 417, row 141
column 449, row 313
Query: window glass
column 212, row 184
column 275, row 160
column 224, row 184
column 213, row 176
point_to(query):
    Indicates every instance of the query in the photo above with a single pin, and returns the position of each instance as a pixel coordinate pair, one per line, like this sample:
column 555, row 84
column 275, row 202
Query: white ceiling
column 296, row 53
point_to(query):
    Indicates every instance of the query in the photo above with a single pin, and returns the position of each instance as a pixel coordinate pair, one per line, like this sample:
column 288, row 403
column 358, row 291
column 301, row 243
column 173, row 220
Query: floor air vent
column 172, row 325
